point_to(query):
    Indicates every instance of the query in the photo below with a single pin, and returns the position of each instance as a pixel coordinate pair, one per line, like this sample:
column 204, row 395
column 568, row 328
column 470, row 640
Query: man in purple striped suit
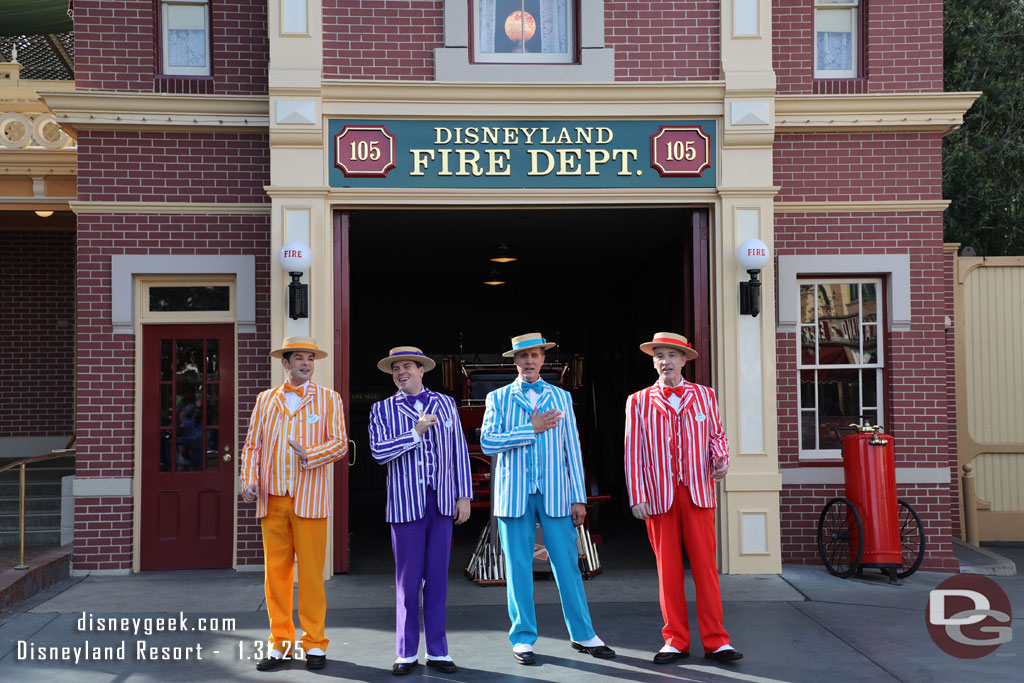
column 418, row 435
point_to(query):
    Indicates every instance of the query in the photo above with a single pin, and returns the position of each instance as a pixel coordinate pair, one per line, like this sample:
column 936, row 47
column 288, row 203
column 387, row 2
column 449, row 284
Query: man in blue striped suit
column 417, row 433
column 529, row 428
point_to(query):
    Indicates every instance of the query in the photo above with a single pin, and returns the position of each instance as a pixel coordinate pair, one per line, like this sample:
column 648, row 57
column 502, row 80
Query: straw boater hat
column 299, row 344
column 405, row 353
column 528, row 341
column 676, row 341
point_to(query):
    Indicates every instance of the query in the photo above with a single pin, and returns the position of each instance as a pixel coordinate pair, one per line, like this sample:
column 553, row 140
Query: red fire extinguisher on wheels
column 870, row 527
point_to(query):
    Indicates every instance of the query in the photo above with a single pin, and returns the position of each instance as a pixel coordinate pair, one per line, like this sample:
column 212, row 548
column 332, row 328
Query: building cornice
column 147, row 111
column 940, row 111
column 893, row 206
column 413, row 197
column 33, row 162
column 190, row 208
column 522, row 100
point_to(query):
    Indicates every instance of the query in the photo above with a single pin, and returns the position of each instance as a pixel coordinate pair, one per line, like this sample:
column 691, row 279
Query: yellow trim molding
column 522, row 100
column 895, row 206
column 939, row 111
column 191, row 208
column 458, row 197
column 140, row 111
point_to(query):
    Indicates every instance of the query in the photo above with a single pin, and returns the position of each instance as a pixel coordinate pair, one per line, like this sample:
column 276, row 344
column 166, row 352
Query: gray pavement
column 804, row 625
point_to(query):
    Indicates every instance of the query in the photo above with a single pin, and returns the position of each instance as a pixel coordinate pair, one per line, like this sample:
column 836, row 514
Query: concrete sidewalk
column 804, row 625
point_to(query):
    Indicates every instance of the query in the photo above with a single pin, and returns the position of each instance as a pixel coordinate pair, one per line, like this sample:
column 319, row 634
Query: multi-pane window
column 524, row 31
column 837, row 38
column 840, row 360
column 185, row 37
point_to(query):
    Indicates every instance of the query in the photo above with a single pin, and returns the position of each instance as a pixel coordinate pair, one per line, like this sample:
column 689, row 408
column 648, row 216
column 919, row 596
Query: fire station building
column 618, row 152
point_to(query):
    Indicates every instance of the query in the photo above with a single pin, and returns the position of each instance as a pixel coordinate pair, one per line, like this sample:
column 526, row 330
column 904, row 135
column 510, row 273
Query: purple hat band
column 408, row 353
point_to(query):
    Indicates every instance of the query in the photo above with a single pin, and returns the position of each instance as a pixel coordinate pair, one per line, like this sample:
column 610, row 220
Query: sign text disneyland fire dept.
column 541, row 154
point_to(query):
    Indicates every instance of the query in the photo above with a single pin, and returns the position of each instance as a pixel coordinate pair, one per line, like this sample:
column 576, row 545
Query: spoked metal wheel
column 911, row 540
column 839, row 538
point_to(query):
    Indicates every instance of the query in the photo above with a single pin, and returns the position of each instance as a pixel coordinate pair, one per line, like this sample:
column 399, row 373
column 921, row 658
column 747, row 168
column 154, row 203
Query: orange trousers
column 287, row 538
column 687, row 525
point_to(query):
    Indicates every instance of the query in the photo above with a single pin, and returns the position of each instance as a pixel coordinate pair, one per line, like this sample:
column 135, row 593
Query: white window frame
column 877, row 367
column 166, row 68
column 567, row 57
column 854, row 7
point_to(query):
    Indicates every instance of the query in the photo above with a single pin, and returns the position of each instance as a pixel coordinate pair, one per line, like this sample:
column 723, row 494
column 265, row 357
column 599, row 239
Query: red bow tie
column 298, row 391
column 669, row 391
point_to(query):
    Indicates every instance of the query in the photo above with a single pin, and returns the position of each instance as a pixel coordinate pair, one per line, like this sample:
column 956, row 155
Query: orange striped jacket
column 321, row 430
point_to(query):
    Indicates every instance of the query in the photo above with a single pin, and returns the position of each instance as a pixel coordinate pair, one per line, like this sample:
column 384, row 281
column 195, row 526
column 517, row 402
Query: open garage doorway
column 596, row 281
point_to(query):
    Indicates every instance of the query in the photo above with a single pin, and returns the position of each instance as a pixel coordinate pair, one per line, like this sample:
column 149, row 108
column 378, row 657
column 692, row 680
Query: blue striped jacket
column 392, row 443
column 507, row 435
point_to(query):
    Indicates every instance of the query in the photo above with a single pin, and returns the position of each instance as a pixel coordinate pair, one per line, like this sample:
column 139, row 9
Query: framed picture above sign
column 518, row 154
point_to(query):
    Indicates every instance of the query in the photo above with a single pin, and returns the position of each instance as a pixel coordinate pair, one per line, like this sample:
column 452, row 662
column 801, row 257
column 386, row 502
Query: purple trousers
column 422, row 549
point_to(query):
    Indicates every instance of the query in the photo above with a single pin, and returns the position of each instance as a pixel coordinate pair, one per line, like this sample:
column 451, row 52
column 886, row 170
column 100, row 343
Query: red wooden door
column 188, row 459
column 341, row 383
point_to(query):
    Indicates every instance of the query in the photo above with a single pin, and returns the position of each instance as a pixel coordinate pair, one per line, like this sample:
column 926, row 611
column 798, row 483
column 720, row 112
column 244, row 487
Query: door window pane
column 211, row 298
column 165, row 450
column 212, row 459
column 166, row 359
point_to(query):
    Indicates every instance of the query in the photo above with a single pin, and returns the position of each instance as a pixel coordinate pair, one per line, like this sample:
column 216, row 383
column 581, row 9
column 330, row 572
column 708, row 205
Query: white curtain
column 553, row 16
column 485, row 10
column 552, row 24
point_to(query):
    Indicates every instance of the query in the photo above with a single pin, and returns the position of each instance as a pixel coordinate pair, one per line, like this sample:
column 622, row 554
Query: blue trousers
column 518, row 535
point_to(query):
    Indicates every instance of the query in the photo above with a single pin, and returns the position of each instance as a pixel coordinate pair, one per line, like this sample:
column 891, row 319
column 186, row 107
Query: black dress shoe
column 402, row 668
column 669, row 657
column 316, row 661
column 271, row 663
column 724, row 655
column 599, row 651
column 526, row 658
column 442, row 665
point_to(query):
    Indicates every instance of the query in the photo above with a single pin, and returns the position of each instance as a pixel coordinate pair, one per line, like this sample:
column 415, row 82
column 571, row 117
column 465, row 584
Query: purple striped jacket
column 392, row 444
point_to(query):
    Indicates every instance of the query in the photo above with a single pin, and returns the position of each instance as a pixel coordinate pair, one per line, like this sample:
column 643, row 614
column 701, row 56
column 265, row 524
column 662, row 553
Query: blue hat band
column 526, row 343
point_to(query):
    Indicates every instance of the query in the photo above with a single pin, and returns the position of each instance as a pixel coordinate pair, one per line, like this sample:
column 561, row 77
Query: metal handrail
column 20, row 464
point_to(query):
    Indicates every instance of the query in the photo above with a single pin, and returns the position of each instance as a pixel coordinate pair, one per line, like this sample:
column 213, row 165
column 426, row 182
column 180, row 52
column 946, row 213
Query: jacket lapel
column 688, row 396
column 659, row 402
column 517, row 396
column 404, row 408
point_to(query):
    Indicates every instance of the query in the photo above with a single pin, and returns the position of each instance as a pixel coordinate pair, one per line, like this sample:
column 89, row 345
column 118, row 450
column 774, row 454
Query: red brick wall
column 664, row 41
column 173, row 167
column 37, row 313
column 382, row 39
column 389, row 40
column 915, row 376
column 105, row 417
column 903, row 49
column 116, row 45
column 858, row 166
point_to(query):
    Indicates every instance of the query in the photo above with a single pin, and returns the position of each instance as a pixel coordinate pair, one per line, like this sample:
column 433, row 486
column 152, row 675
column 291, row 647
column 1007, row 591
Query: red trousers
column 687, row 525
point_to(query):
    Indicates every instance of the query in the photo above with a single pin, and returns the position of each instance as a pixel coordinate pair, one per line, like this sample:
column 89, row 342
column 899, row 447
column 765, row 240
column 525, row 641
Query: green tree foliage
column 983, row 161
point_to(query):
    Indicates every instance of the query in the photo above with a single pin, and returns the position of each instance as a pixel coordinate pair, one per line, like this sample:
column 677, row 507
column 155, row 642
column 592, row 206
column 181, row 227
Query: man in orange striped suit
column 675, row 449
column 295, row 430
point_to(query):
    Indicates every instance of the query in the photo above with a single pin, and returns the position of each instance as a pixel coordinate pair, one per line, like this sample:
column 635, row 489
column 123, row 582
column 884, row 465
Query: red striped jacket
column 650, row 430
column 320, row 425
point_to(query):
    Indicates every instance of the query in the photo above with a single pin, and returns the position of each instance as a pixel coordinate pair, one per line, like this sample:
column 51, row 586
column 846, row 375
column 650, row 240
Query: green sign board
column 541, row 154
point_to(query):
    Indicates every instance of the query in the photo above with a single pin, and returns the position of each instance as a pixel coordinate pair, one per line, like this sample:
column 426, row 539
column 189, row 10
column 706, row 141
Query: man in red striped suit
column 675, row 449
